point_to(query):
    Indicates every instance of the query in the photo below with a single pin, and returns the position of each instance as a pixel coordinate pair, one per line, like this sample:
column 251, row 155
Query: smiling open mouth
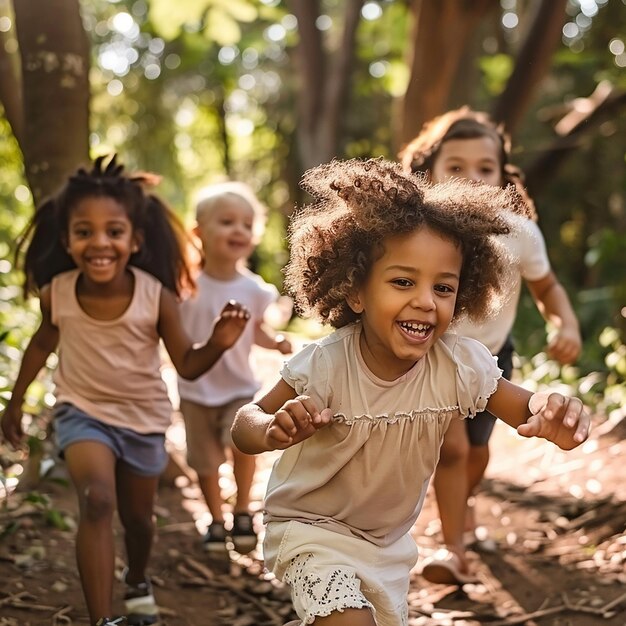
column 100, row 261
column 415, row 328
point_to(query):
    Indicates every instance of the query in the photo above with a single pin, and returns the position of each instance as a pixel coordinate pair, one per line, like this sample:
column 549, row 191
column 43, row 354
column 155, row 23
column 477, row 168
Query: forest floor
column 558, row 519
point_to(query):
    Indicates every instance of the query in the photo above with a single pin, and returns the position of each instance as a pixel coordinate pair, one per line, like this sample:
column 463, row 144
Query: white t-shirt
column 529, row 261
column 231, row 377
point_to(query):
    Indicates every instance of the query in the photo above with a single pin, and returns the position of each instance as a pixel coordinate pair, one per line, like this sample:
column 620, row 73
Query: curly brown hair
column 420, row 153
column 358, row 204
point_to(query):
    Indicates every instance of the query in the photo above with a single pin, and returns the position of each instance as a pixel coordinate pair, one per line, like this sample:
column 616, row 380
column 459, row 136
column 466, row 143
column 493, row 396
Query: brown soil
column 558, row 520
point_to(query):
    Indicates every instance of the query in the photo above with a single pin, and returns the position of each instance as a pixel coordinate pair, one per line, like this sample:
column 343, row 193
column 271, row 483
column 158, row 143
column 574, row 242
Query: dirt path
column 558, row 519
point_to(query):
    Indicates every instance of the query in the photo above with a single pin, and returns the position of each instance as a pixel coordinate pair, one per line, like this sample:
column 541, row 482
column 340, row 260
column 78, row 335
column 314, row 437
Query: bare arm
column 265, row 340
column 279, row 420
column 555, row 307
column 552, row 416
column 39, row 348
column 189, row 361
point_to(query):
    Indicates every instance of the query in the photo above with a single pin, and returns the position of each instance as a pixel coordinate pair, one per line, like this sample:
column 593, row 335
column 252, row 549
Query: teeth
column 100, row 261
column 415, row 327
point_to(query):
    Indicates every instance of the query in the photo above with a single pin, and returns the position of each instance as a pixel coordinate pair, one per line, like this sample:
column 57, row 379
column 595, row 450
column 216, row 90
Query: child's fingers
column 235, row 309
column 531, row 428
column 278, row 433
column 323, row 418
column 582, row 421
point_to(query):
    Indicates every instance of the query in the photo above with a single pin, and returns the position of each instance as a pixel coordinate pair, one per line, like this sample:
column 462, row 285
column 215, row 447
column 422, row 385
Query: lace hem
column 427, row 414
column 320, row 597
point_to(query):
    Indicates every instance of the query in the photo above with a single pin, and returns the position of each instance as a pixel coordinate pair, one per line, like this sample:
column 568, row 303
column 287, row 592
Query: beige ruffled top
column 367, row 472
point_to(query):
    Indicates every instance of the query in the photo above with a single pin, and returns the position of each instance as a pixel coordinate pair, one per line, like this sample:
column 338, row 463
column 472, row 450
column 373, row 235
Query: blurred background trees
column 260, row 90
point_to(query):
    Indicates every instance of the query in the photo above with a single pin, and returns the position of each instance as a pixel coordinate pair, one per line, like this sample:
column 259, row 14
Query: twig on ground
column 209, row 579
column 61, row 617
column 604, row 611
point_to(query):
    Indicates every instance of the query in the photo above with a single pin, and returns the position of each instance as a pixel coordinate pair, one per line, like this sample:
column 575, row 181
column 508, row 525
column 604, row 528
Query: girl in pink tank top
column 107, row 260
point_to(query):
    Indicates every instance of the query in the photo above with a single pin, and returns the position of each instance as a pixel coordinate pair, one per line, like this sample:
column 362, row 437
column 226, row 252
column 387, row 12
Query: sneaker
column 215, row 539
column 111, row 621
column 244, row 538
column 141, row 607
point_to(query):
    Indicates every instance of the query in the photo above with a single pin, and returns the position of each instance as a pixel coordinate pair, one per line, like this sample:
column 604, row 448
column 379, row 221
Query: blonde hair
column 209, row 198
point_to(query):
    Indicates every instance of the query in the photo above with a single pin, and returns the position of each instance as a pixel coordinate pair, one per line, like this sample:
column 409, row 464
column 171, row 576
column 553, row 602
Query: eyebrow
column 411, row 270
column 454, row 157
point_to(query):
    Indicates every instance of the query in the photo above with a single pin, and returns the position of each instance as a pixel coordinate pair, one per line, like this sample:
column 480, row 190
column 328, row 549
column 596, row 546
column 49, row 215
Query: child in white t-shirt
column 468, row 144
column 227, row 218
column 389, row 261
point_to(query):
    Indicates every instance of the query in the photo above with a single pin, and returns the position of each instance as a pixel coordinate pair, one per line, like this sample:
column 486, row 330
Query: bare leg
column 136, row 495
column 451, row 486
column 477, row 465
column 91, row 466
column 210, row 487
column 244, row 466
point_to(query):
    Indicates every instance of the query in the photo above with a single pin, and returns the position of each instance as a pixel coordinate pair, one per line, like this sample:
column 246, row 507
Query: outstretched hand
column 561, row 420
column 12, row 426
column 297, row 420
column 565, row 345
column 229, row 325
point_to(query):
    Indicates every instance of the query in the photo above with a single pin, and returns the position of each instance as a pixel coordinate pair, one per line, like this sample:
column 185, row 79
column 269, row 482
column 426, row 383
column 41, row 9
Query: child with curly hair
column 107, row 260
column 468, row 144
column 390, row 262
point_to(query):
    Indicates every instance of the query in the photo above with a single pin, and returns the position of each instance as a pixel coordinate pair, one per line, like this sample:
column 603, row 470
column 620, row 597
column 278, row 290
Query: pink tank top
column 111, row 369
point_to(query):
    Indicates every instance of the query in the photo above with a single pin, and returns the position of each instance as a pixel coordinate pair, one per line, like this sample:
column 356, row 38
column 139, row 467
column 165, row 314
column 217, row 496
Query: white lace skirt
column 328, row 572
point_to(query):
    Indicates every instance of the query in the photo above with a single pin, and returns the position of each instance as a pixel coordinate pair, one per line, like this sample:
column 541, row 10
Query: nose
column 99, row 239
column 475, row 177
column 423, row 299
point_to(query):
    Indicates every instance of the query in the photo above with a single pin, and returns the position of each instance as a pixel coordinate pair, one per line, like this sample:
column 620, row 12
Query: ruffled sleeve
column 308, row 373
column 477, row 373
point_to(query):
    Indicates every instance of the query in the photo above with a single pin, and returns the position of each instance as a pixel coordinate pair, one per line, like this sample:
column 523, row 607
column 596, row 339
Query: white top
column 111, row 369
column 366, row 473
column 231, row 377
column 529, row 261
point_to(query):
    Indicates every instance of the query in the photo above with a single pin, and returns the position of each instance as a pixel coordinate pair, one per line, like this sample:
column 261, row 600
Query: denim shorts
column 480, row 427
column 144, row 453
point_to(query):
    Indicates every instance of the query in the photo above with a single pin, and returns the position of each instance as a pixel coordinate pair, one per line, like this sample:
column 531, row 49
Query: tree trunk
column 440, row 33
column 11, row 85
column 532, row 63
column 322, row 98
column 55, row 65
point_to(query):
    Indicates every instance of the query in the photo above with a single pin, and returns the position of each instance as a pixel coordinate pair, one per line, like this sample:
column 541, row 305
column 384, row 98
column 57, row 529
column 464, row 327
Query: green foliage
column 53, row 516
column 496, row 71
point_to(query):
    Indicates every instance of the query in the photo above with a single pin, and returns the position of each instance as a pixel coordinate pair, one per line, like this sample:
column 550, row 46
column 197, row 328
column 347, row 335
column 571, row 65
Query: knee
column 137, row 522
column 97, row 502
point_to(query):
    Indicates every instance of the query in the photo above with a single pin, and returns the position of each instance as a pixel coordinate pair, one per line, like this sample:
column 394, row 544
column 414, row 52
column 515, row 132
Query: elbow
column 187, row 375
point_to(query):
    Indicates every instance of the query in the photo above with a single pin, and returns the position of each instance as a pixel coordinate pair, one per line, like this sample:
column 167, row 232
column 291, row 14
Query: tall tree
column 325, row 81
column 47, row 102
column 441, row 31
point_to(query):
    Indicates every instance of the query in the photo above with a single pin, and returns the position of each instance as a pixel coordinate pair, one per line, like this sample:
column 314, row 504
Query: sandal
column 444, row 567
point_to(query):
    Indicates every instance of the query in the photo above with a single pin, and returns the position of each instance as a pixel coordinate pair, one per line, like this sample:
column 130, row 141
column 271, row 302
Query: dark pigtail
column 41, row 250
column 163, row 252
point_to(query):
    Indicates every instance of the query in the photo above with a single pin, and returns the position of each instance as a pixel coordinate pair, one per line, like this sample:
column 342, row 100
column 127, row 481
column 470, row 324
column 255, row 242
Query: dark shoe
column 214, row 541
column 244, row 538
column 141, row 607
column 111, row 621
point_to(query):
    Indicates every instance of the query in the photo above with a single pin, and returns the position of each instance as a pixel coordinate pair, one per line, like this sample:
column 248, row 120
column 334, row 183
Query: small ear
column 137, row 241
column 354, row 303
